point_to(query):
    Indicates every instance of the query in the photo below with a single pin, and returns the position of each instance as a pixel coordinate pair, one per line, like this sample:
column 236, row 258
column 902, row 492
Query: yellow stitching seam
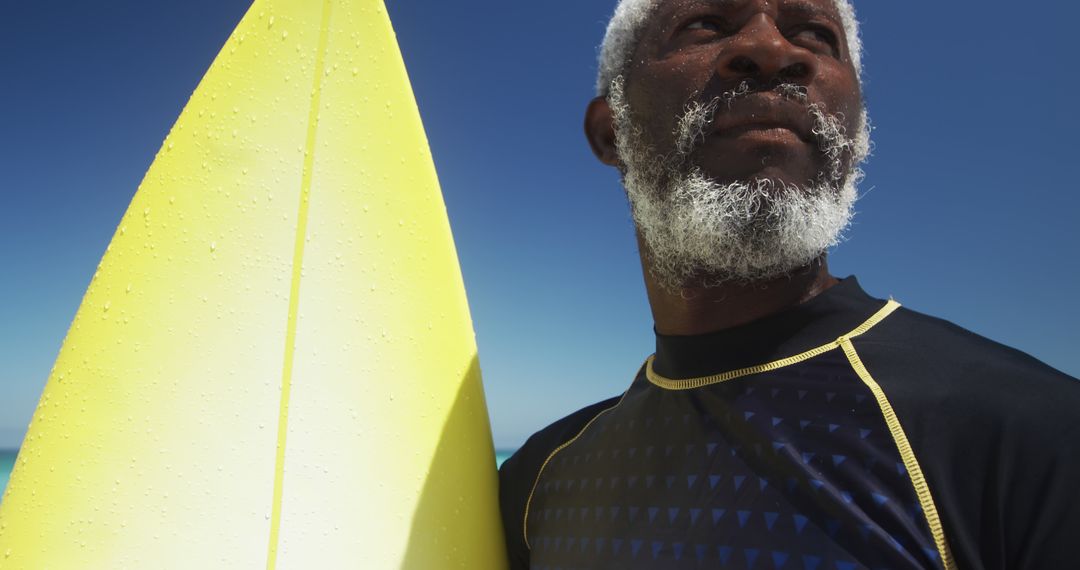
column 693, row 383
column 908, row 455
column 528, row 503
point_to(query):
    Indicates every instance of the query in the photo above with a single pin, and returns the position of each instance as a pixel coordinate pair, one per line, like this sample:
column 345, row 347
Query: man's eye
column 705, row 24
column 817, row 35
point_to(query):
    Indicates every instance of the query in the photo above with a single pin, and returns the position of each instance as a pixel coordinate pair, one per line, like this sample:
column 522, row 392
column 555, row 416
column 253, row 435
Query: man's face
column 738, row 127
column 737, row 52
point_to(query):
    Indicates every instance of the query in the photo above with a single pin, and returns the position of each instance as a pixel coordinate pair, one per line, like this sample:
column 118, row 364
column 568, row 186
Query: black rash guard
column 843, row 433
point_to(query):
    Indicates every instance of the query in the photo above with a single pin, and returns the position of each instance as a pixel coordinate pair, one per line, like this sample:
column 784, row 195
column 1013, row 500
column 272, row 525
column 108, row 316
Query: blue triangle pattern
column 800, row 523
column 803, row 461
column 864, row 531
column 751, row 557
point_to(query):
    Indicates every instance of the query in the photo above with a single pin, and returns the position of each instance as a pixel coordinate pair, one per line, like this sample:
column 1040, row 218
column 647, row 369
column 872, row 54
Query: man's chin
column 746, row 165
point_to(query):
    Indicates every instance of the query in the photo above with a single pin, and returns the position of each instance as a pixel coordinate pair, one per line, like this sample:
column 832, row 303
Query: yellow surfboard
column 274, row 364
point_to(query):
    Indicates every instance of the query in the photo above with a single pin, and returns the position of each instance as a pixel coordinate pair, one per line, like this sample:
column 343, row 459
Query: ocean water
column 7, row 461
column 502, row 455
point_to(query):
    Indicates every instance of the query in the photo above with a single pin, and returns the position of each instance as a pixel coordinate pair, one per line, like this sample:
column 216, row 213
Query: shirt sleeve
column 519, row 473
column 512, row 498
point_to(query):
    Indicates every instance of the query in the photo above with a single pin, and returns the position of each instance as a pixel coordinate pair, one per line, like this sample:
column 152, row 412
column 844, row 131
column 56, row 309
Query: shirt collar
column 819, row 321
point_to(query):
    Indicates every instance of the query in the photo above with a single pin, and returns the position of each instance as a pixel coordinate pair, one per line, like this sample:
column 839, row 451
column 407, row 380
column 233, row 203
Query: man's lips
column 762, row 114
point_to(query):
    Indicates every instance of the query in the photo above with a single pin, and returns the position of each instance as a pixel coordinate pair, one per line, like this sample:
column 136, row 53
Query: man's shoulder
column 531, row 456
column 992, row 428
column 950, row 385
column 936, row 356
column 518, row 473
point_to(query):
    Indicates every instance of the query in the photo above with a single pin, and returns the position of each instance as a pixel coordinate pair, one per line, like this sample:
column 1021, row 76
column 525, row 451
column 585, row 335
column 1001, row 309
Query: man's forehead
column 632, row 16
column 813, row 8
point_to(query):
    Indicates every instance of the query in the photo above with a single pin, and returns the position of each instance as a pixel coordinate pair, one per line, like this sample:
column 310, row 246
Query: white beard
column 704, row 233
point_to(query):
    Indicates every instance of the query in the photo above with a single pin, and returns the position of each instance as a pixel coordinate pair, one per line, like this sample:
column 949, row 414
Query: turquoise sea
column 7, row 461
column 502, row 455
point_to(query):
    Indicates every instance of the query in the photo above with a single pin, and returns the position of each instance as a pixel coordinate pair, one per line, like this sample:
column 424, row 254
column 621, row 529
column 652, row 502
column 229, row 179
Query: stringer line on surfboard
column 294, row 291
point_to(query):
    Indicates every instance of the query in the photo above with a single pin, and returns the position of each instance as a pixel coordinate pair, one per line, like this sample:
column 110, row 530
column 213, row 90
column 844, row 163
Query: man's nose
column 760, row 51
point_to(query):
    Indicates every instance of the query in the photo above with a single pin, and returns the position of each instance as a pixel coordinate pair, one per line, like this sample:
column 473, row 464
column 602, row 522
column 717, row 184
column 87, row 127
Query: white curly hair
column 630, row 16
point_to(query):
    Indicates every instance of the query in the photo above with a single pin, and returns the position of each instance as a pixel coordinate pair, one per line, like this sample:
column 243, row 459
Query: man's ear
column 600, row 131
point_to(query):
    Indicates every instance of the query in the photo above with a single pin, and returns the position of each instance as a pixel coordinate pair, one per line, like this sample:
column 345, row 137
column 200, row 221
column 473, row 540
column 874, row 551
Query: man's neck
column 699, row 310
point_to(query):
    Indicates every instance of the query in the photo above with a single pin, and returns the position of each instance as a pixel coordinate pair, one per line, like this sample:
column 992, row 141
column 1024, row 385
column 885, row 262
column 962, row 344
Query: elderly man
column 787, row 418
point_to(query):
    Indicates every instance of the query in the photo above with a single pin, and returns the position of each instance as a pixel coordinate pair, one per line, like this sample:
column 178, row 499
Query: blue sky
column 969, row 207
